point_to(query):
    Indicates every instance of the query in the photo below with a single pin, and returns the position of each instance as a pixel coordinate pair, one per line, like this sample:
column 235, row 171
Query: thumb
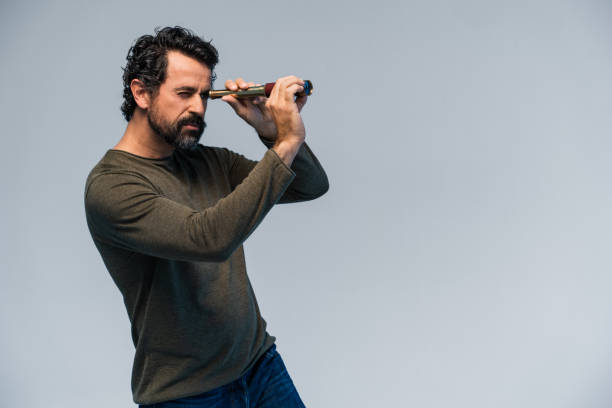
column 233, row 102
column 300, row 101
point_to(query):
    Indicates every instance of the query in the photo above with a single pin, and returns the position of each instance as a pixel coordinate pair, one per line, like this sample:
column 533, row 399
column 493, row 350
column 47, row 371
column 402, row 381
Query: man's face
column 176, row 113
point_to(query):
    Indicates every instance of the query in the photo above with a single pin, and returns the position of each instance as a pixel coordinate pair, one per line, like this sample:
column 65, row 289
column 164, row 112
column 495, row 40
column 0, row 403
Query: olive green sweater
column 170, row 232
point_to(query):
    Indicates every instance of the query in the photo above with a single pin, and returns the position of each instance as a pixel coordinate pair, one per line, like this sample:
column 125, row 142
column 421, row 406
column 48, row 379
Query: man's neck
column 139, row 139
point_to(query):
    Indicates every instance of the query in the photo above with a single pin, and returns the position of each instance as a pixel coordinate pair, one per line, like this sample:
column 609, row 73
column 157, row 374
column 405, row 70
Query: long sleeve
column 125, row 210
column 310, row 178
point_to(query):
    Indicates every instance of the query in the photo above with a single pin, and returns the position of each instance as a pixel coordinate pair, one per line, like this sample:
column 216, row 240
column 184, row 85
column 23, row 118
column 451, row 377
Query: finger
column 231, row 85
column 300, row 101
column 285, row 83
column 234, row 102
column 231, row 101
column 291, row 79
column 242, row 83
column 279, row 86
column 292, row 90
column 275, row 88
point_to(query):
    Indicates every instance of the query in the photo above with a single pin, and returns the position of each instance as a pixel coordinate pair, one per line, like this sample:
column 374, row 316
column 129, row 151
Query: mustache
column 192, row 120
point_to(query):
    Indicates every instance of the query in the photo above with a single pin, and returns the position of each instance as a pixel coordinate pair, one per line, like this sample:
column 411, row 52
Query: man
column 169, row 216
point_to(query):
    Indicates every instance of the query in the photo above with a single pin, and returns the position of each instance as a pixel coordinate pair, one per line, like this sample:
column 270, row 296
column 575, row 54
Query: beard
column 173, row 132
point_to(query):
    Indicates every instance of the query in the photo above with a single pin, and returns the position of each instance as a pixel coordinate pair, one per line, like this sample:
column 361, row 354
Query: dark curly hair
column 147, row 60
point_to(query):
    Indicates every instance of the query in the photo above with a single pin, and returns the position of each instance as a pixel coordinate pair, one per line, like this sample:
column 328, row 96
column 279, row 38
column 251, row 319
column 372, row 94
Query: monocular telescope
column 259, row 90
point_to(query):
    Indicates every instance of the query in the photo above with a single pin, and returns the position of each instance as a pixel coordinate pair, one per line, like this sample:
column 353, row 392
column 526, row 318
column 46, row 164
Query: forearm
column 125, row 211
column 310, row 181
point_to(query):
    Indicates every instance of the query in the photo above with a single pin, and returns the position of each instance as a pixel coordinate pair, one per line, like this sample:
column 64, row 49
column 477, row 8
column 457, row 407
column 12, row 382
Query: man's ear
column 140, row 93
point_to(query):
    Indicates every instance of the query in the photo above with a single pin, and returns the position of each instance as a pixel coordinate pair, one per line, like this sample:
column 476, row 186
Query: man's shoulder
column 118, row 166
column 110, row 162
column 104, row 165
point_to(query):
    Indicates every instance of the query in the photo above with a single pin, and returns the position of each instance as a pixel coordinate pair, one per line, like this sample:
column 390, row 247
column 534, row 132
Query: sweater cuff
column 277, row 159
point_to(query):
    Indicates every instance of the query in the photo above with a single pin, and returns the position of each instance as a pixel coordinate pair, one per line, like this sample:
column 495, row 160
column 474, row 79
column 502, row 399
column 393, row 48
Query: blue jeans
column 265, row 385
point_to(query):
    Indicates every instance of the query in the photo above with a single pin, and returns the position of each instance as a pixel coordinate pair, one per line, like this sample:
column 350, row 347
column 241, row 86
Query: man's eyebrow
column 191, row 89
column 185, row 88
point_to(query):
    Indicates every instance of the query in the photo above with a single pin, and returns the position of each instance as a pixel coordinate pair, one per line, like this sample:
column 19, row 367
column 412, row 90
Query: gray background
column 461, row 257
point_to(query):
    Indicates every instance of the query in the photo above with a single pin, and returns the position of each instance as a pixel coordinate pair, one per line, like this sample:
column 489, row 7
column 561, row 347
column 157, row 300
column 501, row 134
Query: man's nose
column 198, row 105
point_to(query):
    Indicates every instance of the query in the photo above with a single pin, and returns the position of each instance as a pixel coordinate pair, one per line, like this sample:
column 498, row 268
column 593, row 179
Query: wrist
column 267, row 140
column 287, row 150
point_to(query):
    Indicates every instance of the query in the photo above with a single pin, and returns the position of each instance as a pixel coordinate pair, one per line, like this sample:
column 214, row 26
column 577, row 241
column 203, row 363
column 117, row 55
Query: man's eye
column 184, row 94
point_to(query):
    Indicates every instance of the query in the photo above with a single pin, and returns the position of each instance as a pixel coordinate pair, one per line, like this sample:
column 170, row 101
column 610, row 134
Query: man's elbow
column 324, row 186
column 324, row 189
column 313, row 195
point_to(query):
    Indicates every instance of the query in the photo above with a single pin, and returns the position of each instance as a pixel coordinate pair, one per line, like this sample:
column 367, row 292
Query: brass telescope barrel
column 259, row 90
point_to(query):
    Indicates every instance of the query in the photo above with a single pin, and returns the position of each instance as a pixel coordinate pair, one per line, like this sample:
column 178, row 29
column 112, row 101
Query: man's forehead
column 184, row 69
